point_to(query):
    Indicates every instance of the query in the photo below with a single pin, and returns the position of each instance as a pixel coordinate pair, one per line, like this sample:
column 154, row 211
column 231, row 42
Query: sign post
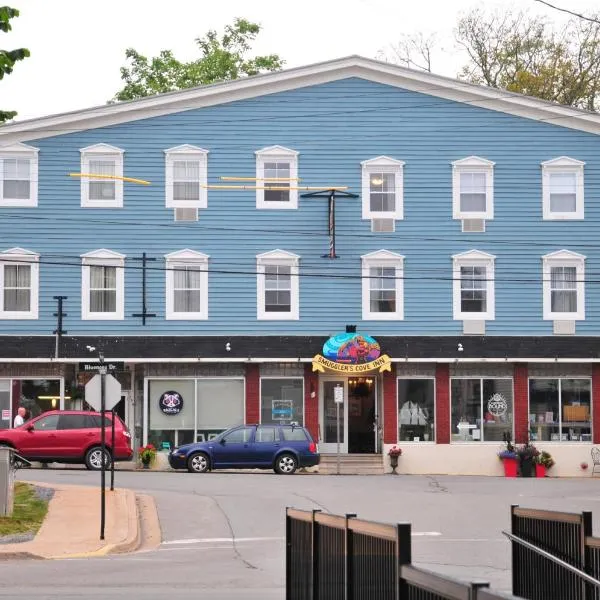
column 102, row 371
column 338, row 398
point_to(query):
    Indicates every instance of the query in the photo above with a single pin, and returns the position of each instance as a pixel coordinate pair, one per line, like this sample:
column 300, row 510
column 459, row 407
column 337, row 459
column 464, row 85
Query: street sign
column 94, row 367
column 93, row 392
column 338, row 394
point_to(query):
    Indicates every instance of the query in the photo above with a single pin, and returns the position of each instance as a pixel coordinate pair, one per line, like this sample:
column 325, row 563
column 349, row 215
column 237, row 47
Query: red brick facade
column 311, row 401
column 442, row 404
column 521, row 407
column 252, row 394
column 390, row 407
column 596, row 402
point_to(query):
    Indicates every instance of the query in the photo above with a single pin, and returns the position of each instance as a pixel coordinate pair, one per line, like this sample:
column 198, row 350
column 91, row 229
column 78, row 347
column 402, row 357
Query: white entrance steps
column 352, row 464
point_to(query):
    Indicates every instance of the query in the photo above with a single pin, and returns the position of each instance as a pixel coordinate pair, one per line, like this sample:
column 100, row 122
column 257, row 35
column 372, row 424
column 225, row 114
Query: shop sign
column 282, row 410
column 351, row 353
column 171, row 403
column 497, row 405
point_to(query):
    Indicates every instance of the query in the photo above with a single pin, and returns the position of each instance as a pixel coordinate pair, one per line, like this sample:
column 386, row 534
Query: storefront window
column 560, row 410
column 282, row 401
column 482, row 409
column 220, row 406
column 416, row 410
column 37, row 395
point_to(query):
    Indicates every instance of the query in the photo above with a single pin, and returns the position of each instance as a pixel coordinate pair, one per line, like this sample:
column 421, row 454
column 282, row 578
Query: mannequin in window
column 411, row 413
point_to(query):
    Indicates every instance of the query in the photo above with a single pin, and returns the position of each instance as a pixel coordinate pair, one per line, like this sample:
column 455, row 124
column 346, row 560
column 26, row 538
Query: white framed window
column 102, row 192
column 186, row 177
column 186, row 285
column 103, row 285
column 564, row 286
column 272, row 164
column 562, row 188
column 277, row 285
column 382, row 188
column 19, row 176
column 19, row 284
column 473, row 188
column 473, row 286
column 382, row 286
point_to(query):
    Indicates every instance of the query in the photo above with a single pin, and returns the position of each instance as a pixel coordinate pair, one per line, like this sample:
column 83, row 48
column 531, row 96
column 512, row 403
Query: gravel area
column 43, row 493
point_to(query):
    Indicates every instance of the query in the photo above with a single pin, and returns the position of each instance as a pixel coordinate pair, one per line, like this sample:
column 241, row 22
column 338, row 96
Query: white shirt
column 19, row 420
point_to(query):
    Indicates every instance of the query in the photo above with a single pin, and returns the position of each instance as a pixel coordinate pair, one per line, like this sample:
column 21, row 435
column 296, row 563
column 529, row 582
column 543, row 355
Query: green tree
column 222, row 58
column 8, row 58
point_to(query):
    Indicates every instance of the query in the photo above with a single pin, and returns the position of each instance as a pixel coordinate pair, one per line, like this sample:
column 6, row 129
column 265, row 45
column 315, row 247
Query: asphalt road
column 223, row 533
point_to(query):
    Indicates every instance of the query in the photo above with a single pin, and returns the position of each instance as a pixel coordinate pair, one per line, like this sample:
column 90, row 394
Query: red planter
column 540, row 470
column 510, row 467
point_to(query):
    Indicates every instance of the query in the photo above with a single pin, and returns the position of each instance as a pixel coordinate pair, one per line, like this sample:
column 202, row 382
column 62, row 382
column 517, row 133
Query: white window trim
column 382, row 258
column 473, row 164
column 104, row 258
column 186, row 152
column 186, row 258
column 564, row 258
column 96, row 152
column 563, row 164
column 383, row 164
column 473, row 258
column 20, row 151
column 277, row 258
column 19, row 256
column 271, row 154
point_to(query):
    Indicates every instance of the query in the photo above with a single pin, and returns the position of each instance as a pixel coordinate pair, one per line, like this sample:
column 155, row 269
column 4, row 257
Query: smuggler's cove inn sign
column 351, row 353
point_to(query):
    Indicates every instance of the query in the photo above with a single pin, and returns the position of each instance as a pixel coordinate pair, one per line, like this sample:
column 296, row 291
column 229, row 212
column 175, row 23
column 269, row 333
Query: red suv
column 68, row 436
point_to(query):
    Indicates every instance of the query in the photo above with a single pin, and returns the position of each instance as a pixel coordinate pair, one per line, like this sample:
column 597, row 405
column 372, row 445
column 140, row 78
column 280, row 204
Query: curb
column 129, row 544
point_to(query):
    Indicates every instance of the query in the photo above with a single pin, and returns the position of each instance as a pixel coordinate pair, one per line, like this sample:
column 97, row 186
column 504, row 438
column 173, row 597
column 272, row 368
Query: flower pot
column 510, row 467
column 145, row 464
column 540, row 470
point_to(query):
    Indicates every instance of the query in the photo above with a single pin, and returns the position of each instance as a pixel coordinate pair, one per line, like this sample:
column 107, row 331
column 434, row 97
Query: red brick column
column 252, row 394
column 390, row 407
column 521, row 407
column 596, row 402
column 442, row 404
column 311, row 401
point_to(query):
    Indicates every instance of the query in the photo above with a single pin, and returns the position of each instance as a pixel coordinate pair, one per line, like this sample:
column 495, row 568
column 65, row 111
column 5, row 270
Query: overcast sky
column 78, row 46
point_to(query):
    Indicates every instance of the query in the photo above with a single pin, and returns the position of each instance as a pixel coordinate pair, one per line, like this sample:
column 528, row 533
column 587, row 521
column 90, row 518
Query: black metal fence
column 330, row 557
column 554, row 555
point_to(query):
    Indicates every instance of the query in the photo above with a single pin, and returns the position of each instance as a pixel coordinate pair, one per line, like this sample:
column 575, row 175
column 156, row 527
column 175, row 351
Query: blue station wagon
column 283, row 448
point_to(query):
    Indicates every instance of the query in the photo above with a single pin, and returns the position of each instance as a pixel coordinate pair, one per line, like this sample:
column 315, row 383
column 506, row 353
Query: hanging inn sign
column 351, row 353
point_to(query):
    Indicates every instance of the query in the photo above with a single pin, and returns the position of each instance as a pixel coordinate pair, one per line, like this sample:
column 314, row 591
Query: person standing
column 20, row 418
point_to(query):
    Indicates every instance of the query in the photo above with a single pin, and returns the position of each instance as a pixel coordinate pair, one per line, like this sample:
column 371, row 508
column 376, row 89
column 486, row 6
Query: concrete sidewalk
column 71, row 528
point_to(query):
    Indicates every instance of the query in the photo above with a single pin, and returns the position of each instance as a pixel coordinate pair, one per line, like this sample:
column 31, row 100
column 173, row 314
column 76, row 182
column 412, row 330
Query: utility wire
column 569, row 12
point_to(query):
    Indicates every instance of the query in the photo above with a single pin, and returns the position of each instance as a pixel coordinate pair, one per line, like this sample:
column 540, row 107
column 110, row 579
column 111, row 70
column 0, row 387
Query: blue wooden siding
column 334, row 127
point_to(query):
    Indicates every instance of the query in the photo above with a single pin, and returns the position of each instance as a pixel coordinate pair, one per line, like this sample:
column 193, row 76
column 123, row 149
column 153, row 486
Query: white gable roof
column 269, row 83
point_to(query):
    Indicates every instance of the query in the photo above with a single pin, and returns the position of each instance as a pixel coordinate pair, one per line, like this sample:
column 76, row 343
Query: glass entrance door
column 328, row 415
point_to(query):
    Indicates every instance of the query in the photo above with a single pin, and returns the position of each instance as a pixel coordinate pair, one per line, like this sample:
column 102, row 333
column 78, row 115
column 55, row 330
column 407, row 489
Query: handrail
column 553, row 515
column 558, row 561
column 17, row 458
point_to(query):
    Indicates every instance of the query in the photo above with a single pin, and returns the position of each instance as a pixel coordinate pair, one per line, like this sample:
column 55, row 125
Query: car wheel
column 286, row 464
column 93, row 459
column 198, row 463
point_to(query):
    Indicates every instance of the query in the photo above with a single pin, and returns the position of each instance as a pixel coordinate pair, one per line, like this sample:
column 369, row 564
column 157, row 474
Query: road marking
column 425, row 533
column 224, row 539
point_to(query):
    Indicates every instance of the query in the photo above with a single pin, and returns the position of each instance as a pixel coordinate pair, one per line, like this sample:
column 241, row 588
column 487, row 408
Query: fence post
column 586, row 531
column 475, row 586
column 288, row 551
column 348, row 554
column 314, row 556
column 516, row 588
column 403, row 556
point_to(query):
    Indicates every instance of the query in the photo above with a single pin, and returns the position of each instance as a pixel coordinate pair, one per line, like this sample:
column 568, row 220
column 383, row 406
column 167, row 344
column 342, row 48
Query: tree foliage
column 222, row 58
column 516, row 51
column 8, row 58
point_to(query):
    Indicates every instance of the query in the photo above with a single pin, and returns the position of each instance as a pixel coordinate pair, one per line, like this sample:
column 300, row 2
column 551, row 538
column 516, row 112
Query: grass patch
column 29, row 512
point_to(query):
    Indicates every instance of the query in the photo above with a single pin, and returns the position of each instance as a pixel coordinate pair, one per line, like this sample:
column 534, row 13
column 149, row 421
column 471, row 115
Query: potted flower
column 394, row 452
column 543, row 461
column 527, row 454
column 147, row 454
column 508, row 456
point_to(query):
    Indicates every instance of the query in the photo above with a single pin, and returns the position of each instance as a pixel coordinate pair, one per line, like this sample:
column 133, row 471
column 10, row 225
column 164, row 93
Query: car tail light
column 312, row 447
